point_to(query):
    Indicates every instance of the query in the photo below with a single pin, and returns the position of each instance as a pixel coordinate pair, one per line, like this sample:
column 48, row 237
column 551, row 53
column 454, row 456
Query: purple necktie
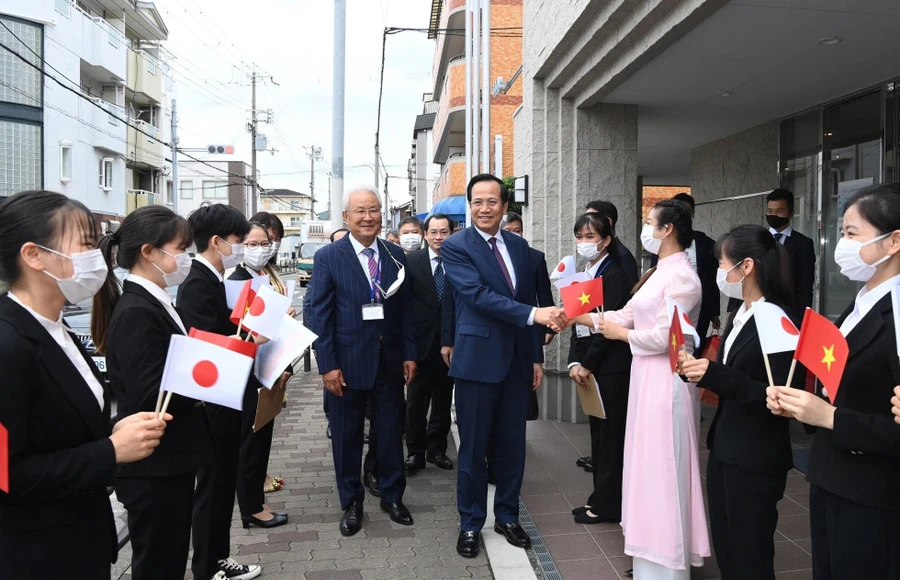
column 503, row 268
column 374, row 273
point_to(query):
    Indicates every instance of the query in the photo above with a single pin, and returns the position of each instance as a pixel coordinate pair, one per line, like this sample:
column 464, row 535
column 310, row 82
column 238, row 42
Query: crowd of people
column 408, row 327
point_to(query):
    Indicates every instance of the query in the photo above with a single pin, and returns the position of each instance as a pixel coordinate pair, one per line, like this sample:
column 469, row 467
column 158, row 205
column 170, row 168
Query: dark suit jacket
column 338, row 290
column 61, row 460
column 202, row 303
column 139, row 335
column 426, row 308
column 744, row 432
column 860, row 459
column 596, row 353
column 627, row 262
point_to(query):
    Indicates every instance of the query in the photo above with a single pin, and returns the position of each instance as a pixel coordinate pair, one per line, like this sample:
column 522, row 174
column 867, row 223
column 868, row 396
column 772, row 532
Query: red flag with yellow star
column 676, row 339
column 582, row 297
column 823, row 350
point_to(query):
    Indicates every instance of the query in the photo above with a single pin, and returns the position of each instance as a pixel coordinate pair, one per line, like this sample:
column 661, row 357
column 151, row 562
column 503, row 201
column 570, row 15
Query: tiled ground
column 554, row 485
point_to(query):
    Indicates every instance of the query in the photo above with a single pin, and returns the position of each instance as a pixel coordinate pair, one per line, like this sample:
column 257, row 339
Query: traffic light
column 220, row 149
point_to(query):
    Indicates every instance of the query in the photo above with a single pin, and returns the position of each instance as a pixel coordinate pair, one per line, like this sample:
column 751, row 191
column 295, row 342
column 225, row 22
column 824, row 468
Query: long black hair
column 770, row 260
column 152, row 224
column 600, row 225
column 41, row 217
column 678, row 214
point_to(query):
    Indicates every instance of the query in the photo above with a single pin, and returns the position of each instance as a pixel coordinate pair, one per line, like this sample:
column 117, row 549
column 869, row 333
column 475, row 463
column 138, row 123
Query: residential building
column 422, row 172
column 730, row 97
column 227, row 182
column 449, row 75
column 292, row 208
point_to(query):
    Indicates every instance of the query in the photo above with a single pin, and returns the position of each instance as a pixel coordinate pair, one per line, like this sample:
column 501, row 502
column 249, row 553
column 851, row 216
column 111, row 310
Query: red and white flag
column 687, row 327
column 776, row 331
column 234, row 288
column 266, row 312
column 206, row 372
column 566, row 267
column 576, row 278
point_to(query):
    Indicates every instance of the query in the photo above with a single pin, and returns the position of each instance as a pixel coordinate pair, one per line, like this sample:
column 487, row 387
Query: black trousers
column 254, row 462
column 850, row 540
column 608, row 447
column 159, row 522
column 214, row 496
column 743, row 513
column 431, row 386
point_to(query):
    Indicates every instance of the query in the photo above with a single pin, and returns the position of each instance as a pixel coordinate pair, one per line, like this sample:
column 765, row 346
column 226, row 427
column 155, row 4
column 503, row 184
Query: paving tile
column 596, row 569
column 553, row 524
column 572, row 547
column 794, row 527
column 611, row 542
column 547, row 504
column 789, row 556
column 620, row 565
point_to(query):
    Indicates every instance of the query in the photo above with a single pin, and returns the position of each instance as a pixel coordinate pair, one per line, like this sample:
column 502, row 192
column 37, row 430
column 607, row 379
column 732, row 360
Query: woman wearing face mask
column 854, row 465
column 610, row 363
column 53, row 403
column 663, row 517
column 750, row 449
column 133, row 330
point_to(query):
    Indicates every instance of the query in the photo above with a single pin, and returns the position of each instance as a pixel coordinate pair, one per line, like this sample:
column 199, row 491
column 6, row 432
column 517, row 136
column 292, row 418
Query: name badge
column 582, row 331
column 373, row 312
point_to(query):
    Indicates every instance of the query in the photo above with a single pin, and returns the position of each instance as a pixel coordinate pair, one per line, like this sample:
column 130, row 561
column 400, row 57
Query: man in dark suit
column 218, row 232
column 426, row 438
column 365, row 348
column 623, row 255
column 496, row 360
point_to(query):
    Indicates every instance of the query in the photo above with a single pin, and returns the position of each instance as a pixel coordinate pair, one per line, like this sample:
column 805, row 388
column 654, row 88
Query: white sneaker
column 219, row 576
column 231, row 570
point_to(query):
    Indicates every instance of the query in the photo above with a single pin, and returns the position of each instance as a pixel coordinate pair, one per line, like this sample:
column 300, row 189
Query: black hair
column 216, row 219
column 879, row 205
column 270, row 221
column 411, row 220
column 260, row 225
column 678, row 214
column 41, row 217
column 335, row 232
column 155, row 225
column 784, row 195
column 770, row 260
column 685, row 198
column 600, row 224
column 440, row 216
column 512, row 217
column 504, row 193
column 605, row 208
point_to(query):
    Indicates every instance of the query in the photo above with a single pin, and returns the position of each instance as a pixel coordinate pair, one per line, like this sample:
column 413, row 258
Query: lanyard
column 602, row 268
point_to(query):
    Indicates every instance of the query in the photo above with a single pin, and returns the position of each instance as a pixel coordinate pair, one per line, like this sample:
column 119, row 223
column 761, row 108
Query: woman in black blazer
column 134, row 331
column 610, row 363
column 62, row 456
column 750, row 449
column 854, row 466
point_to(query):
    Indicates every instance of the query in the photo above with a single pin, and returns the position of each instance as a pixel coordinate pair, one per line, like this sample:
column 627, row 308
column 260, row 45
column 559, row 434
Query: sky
column 216, row 42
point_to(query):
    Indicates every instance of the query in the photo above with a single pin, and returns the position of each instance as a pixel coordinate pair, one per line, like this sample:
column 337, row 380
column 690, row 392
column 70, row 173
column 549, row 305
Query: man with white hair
column 359, row 308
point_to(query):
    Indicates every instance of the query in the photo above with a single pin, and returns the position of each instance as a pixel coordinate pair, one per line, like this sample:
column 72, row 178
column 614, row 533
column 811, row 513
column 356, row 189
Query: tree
column 511, row 187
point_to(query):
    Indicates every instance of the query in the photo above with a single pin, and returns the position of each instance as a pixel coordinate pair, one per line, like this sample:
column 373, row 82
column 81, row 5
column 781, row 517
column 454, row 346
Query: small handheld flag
column 687, row 327
column 266, row 312
column 573, row 279
column 776, row 331
column 242, row 303
column 823, row 350
column 582, row 297
column 566, row 267
column 205, row 372
column 676, row 338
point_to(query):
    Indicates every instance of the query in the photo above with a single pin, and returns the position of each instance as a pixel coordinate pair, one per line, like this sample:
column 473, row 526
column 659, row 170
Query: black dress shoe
column 414, row 464
column 586, row 518
column 582, row 460
column 629, row 572
column 277, row 520
column 514, row 533
column 467, row 544
column 441, row 460
column 371, row 482
column 351, row 523
column 398, row 512
column 579, row 510
column 589, row 466
column 279, row 513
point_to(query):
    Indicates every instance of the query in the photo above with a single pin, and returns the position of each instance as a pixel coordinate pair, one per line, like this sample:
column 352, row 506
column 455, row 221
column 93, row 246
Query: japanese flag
column 206, row 372
column 235, row 288
column 687, row 327
column 266, row 312
column 776, row 331
column 573, row 279
column 566, row 267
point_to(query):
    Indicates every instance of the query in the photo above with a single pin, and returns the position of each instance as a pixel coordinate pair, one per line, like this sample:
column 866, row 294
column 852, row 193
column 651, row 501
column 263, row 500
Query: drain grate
column 544, row 558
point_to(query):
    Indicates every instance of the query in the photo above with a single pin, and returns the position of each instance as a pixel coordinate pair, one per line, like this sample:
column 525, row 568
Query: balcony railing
column 135, row 198
column 113, row 110
column 116, row 38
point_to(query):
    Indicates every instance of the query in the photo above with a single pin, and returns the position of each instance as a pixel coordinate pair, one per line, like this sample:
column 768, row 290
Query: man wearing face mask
column 412, row 232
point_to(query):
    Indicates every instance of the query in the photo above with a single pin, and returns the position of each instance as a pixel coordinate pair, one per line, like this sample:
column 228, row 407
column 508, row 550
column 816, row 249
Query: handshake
column 551, row 317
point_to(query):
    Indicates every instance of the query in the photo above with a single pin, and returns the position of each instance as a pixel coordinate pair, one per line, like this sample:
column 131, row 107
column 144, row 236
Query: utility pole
column 174, row 158
column 315, row 154
column 486, row 87
column 253, row 141
column 387, row 201
column 337, row 113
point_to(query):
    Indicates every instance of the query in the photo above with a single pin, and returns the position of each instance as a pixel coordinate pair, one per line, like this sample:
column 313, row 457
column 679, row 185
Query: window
column 151, row 64
column 106, row 173
column 63, row 7
column 215, row 190
column 65, row 161
column 168, row 193
column 295, row 222
column 187, row 189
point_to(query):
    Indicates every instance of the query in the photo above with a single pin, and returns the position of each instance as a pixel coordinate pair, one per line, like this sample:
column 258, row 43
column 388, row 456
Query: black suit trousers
column 254, row 458
column 850, row 540
column 608, row 447
column 743, row 513
column 159, row 522
column 431, row 386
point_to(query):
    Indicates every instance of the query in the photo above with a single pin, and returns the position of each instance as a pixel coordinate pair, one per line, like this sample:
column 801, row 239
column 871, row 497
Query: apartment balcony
column 95, row 40
column 453, row 16
column 450, row 123
column 135, row 198
column 452, row 180
column 107, row 131
column 145, row 78
column 144, row 152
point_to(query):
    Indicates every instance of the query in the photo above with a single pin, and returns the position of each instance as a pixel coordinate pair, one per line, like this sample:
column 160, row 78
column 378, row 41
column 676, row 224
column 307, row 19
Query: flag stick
column 769, row 370
column 166, row 404
column 790, row 374
column 159, row 400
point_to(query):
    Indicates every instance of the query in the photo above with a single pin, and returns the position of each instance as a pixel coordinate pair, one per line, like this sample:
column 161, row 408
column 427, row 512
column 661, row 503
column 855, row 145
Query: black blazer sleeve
column 141, row 355
column 740, row 387
column 200, row 308
column 576, row 350
column 706, row 271
column 616, row 292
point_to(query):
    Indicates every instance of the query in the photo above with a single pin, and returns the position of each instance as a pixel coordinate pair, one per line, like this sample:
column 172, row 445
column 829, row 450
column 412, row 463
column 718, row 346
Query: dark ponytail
column 678, row 214
column 770, row 259
column 153, row 224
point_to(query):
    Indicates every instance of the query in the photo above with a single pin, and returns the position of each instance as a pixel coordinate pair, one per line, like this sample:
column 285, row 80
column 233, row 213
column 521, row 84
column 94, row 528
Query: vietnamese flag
column 243, row 302
column 4, row 459
column 582, row 297
column 676, row 339
column 823, row 350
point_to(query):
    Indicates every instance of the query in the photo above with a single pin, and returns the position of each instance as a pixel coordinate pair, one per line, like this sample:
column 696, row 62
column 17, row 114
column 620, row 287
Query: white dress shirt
column 740, row 319
column 212, row 268
column 63, row 337
column 433, row 258
column 364, row 259
column 504, row 253
column 865, row 300
column 692, row 254
column 784, row 235
column 164, row 298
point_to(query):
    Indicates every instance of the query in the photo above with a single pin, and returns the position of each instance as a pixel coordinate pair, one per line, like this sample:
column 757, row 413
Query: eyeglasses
column 255, row 245
column 366, row 212
column 479, row 203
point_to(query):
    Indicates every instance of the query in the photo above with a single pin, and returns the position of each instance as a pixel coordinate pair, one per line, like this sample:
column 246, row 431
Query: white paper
column 233, row 288
column 578, row 277
column 274, row 356
column 291, row 286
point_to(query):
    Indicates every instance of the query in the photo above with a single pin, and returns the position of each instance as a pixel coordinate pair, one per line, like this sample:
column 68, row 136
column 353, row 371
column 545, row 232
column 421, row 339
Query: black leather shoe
column 277, row 520
column 371, row 482
column 514, row 533
column 591, row 518
column 467, row 545
column 398, row 512
column 279, row 513
column 351, row 523
column 588, row 466
column 580, row 510
column 582, row 460
column 629, row 572
column 441, row 460
column 414, row 464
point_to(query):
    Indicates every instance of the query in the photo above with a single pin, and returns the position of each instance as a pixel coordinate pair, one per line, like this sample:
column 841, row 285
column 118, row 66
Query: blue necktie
column 439, row 279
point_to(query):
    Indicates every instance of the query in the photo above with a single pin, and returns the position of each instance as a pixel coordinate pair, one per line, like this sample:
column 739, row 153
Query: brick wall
column 652, row 194
column 506, row 58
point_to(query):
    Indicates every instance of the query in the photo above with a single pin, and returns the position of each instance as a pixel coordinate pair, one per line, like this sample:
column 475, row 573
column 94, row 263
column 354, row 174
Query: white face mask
column 89, row 273
column 273, row 251
column 650, row 243
column 182, row 269
column 237, row 255
column 401, row 276
column 730, row 289
column 846, row 255
column 410, row 242
column 588, row 251
column 257, row 258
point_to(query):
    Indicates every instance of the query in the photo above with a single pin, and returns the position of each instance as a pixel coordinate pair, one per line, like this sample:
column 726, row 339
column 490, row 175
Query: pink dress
column 663, row 516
